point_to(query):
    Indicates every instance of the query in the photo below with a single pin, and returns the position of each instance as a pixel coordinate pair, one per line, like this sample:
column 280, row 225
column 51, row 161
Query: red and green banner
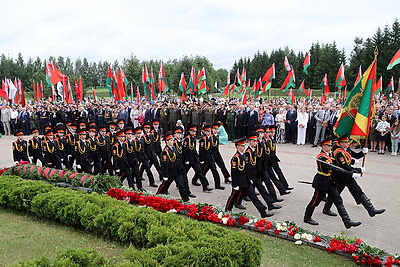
column 291, row 97
column 287, row 65
column 201, row 82
column 355, row 114
column 325, row 85
column 379, row 86
column 340, row 79
column 244, row 98
column 306, row 63
column 162, row 80
column 358, row 76
column 302, row 88
column 289, row 81
column 110, row 81
column 268, row 76
column 395, row 60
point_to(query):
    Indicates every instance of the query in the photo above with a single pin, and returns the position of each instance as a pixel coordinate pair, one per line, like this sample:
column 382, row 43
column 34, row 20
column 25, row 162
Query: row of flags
column 13, row 91
column 197, row 84
column 149, row 83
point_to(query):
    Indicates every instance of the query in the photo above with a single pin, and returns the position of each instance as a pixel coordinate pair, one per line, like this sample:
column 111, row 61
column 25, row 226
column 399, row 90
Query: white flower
column 298, row 242
column 278, row 226
column 172, row 210
column 250, row 221
column 304, row 236
column 142, row 206
column 220, row 215
column 225, row 220
column 255, row 220
column 309, row 237
column 297, row 236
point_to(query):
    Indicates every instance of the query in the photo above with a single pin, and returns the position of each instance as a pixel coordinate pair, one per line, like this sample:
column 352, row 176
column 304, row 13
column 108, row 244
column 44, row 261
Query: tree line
column 325, row 58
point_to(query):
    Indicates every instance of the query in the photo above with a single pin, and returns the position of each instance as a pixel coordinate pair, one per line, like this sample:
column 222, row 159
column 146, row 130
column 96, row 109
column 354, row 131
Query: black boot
column 308, row 214
column 329, row 213
column 348, row 223
column 366, row 202
column 327, row 207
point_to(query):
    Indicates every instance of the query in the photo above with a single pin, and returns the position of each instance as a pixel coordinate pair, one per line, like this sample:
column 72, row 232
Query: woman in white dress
column 134, row 116
column 280, row 123
column 302, row 120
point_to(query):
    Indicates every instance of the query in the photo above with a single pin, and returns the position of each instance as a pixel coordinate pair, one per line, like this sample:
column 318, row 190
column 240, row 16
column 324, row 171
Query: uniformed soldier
column 120, row 160
column 170, row 169
column 191, row 158
column 120, row 125
column 112, row 126
column 186, row 115
column 240, row 180
column 156, row 133
column 107, row 114
column 206, row 157
column 46, row 129
column 35, row 147
column 82, row 153
column 62, row 146
column 173, row 116
column 44, row 117
column 94, row 152
column 141, row 155
column 164, row 118
column 230, row 122
column 178, row 144
column 149, row 150
column 323, row 184
column 215, row 151
column 20, row 147
column 345, row 158
column 105, row 150
column 72, row 138
column 51, row 152
column 197, row 117
column 131, row 156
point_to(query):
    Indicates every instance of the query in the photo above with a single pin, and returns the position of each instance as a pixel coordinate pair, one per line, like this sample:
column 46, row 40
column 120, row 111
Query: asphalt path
column 380, row 183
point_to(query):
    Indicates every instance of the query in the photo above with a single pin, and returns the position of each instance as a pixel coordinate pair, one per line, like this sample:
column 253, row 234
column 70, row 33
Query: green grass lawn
column 25, row 237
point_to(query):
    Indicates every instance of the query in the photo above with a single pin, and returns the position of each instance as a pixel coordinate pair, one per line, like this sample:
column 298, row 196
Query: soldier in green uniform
column 173, row 116
column 164, row 118
column 230, row 123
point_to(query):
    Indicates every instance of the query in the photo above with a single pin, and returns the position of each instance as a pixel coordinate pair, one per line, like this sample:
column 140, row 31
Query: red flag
column 68, row 96
column 306, row 63
column 80, row 89
column 358, row 76
column 303, row 87
column 289, row 81
column 244, row 98
column 228, row 84
column 21, row 88
column 291, row 96
column 268, row 76
column 35, row 92
column 395, row 60
column 3, row 92
column 286, row 64
column 379, row 86
column 238, row 77
column 325, row 85
column 94, row 94
column 340, row 79
column 137, row 95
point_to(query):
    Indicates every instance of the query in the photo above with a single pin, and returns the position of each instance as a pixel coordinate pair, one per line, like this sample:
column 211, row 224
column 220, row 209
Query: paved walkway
column 380, row 183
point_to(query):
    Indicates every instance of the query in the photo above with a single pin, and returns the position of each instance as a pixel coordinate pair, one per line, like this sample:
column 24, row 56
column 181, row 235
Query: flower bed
column 355, row 248
column 157, row 238
column 98, row 183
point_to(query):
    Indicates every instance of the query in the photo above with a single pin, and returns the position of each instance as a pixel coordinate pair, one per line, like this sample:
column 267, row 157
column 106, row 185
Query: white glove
column 356, row 161
column 236, row 188
column 69, row 156
column 78, row 166
column 91, row 164
column 201, row 162
column 165, row 178
column 362, row 169
column 62, row 160
column 16, row 162
column 49, row 163
column 365, row 150
column 30, row 158
column 117, row 171
column 187, row 162
column 356, row 175
column 251, row 181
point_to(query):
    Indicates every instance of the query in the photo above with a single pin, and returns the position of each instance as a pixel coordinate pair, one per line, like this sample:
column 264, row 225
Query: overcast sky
column 223, row 31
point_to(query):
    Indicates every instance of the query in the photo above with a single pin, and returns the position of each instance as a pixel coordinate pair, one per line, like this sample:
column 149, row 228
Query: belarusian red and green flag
column 306, row 63
column 340, row 79
column 302, row 88
column 358, row 76
column 268, row 76
column 110, row 81
column 379, row 86
column 354, row 116
column 395, row 60
column 291, row 97
column 287, row 65
column 183, row 86
column 289, row 81
column 202, row 85
column 389, row 89
column 191, row 86
column 162, row 80
column 146, row 82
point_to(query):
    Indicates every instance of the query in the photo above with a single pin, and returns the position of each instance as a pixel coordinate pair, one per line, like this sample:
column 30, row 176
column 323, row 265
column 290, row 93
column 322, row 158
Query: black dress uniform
column 51, row 152
column 171, row 170
column 241, row 182
column 132, row 159
column 218, row 157
column 105, row 150
column 323, row 185
column 344, row 158
column 156, row 133
column 121, row 165
column 164, row 118
column 94, row 155
column 35, row 149
column 82, row 155
column 62, row 151
column 72, row 138
column 142, row 158
column 191, row 159
column 150, row 154
column 20, row 148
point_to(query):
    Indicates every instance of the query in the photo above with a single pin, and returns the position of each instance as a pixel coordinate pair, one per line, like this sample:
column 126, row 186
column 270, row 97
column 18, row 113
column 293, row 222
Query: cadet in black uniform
column 131, row 156
column 240, row 180
column 94, row 153
column 156, row 133
column 82, row 153
column 149, row 150
column 141, row 155
column 20, row 147
column 344, row 158
column 120, row 160
column 35, row 150
column 323, row 185
column 51, row 151
column 72, row 138
column 105, row 150
column 216, row 154
column 62, row 146
column 170, row 169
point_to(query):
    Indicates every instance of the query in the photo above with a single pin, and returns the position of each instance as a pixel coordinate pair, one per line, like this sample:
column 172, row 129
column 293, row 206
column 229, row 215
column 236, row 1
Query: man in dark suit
column 25, row 119
column 311, row 124
column 252, row 119
column 241, row 122
column 291, row 117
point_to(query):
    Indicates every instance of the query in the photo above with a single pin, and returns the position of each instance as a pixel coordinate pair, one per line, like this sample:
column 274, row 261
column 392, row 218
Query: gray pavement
column 380, row 183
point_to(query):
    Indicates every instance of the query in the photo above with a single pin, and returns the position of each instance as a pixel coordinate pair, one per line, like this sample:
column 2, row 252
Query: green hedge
column 99, row 183
column 157, row 238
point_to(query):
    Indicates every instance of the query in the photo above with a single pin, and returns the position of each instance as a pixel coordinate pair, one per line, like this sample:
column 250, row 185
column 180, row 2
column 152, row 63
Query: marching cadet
column 344, row 158
column 105, row 150
column 94, row 153
column 120, row 125
column 72, row 138
column 82, row 153
column 62, row 147
column 179, row 151
column 120, row 160
column 149, row 150
column 141, row 155
column 131, row 157
column 253, row 163
column 170, row 169
column 240, row 180
column 206, row 157
column 192, row 158
column 215, row 151
column 323, row 184
column 50, row 151
column 113, row 131
column 20, row 147
column 156, row 133
column 46, row 129
column 35, row 150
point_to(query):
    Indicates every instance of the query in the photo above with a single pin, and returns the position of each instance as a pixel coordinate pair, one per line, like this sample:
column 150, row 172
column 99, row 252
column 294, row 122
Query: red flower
column 242, row 220
column 317, row 239
column 358, row 241
column 354, row 257
column 268, row 225
column 3, row 170
column 276, row 231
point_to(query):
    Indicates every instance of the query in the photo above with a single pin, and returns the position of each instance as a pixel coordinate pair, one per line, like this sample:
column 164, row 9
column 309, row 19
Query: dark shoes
column 246, row 198
column 220, row 187
column 311, row 221
column 374, row 212
column 196, row 183
column 350, row 224
column 274, row 207
column 290, row 188
column 313, row 146
column 192, row 196
column 266, row 214
column 240, row 206
column 153, row 185
column 286, row 193
column 227, row 181
column 207, row 189
column 329, row 213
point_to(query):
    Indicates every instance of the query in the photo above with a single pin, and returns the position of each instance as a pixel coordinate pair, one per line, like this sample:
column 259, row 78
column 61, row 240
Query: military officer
column 35, row 147
column 82, row 153
column 120, row 160
column 105, row 150
column 216, row 153
column 50, row 151
column 94, row 152
column 20, row 147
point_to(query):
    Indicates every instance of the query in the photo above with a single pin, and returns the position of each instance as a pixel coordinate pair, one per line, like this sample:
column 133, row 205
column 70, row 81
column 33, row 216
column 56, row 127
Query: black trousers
column 354, row 189
column 257, row 183
column 281, row 188
column 38, row 157
column 145, row 165
column 249, row 191
column 126, row 172
column 205, row 167
column 221, row 164
column 268, row 183
column 106, row 165
column 163, row 188
column 153, row 160
column 85, row 167
column 197, row 173
column 278, row 171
